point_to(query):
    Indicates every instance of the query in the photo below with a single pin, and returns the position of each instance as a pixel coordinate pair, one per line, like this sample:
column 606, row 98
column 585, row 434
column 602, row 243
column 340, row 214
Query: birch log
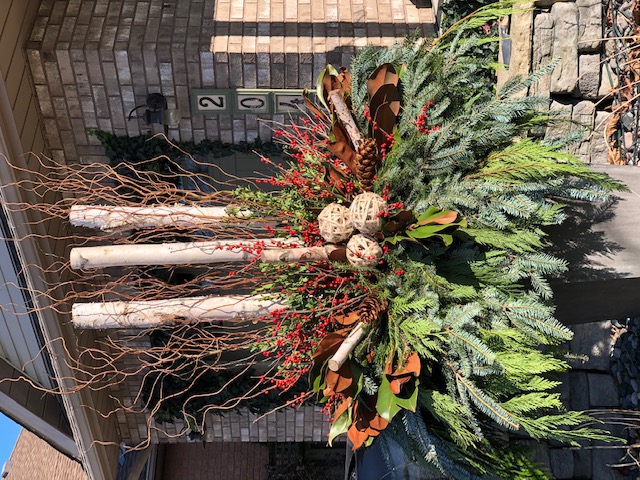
column 154, row 313
column 181, row 253
column 347, row 347
column 347, row 119
column 110, row 217
column 272, row 250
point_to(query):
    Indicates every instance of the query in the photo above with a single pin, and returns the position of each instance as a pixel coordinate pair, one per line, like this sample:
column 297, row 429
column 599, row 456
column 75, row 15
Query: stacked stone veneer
column 571, row 33
column 92, row 61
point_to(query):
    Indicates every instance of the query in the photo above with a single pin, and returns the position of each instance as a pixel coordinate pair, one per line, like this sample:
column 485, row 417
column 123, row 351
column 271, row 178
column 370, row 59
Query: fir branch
column 482, row 401
column 480, row 352
column 450, row 413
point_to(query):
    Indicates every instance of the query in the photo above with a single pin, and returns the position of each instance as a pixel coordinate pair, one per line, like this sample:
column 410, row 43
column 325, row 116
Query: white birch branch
column 295, row 255
column 194, row 253
column 346, row 347
column 347, row 118
column 153, row 313
column 186, row 253
column 109, row 217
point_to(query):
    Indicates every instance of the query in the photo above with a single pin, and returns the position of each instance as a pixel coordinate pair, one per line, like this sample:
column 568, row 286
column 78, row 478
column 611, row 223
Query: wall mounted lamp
column 158, row 111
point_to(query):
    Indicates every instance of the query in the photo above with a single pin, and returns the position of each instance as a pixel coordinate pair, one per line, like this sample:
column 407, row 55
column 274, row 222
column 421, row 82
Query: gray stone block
column 583, row 114
column 594, row 341
column 579, row 391
column 541, row 54
column 602, row 459
column 582, row 463
column 590, row 25
column 602, row 390
column 562, row 463
column 608, row 81
column 563, row 112
column 589, row 80
column 598, row 152
column 564, row 78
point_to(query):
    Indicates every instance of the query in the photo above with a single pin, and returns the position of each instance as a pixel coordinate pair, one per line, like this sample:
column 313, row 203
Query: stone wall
column 580, row 86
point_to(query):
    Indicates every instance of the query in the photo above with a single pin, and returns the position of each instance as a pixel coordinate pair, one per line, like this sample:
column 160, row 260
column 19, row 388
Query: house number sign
column 207, row 101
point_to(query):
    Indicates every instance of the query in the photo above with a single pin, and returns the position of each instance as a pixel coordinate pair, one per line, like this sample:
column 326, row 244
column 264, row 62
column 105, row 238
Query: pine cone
column 371, row 309
column 366, row 163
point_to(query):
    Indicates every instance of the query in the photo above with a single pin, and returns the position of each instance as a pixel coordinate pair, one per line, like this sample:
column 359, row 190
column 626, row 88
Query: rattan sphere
column 363, row 250
column 365, row 212
column 334, row 223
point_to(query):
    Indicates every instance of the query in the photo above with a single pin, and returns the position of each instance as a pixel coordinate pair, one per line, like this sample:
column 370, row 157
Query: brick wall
column 92, row 61
column 215, row 461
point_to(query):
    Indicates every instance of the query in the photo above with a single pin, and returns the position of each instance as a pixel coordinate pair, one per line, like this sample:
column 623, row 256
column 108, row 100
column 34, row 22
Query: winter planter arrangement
column 405, row 279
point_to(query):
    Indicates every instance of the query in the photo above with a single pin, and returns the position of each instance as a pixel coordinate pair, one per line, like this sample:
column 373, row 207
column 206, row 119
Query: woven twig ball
column 366, row 210
column 334, row 223
column 363, row 250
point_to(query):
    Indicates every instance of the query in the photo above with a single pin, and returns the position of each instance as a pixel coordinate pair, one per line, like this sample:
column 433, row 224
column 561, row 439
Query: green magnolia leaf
column 317, row 381
column 358, row 378
column 426, row 231
column 447, row 239
column 328, row 70
column 397, row 238
column 340, row 425
column 389, row 404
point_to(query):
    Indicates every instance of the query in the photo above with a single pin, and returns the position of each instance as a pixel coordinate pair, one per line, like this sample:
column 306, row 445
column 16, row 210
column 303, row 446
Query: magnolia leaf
column 340, row 146
column 349, row 319
column 342, row 408
column 338, row 255
column 340, row 425
column 313, row 108
column 426, row 231
column 404, row 216
column 378, row 423
column 392, row 226
column 325, row 349
column 399, row 222
column 443, row 219
column 384, row 110
column 389, row 404
column 412, row 365
column 316, row 380
column 401, row 70
column 345, row 79
column 357, row 437
column 358, row 378
column 321, row 83
column 409, row 397
column 385, row 73
column 398, row 238
column 402, row 375
column 435, row 215
column 340, row 381
column 334, row 177
column 386, row 404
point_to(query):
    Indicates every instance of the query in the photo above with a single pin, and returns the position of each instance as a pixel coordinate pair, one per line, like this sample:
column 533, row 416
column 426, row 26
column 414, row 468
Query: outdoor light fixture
column 157, row 111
